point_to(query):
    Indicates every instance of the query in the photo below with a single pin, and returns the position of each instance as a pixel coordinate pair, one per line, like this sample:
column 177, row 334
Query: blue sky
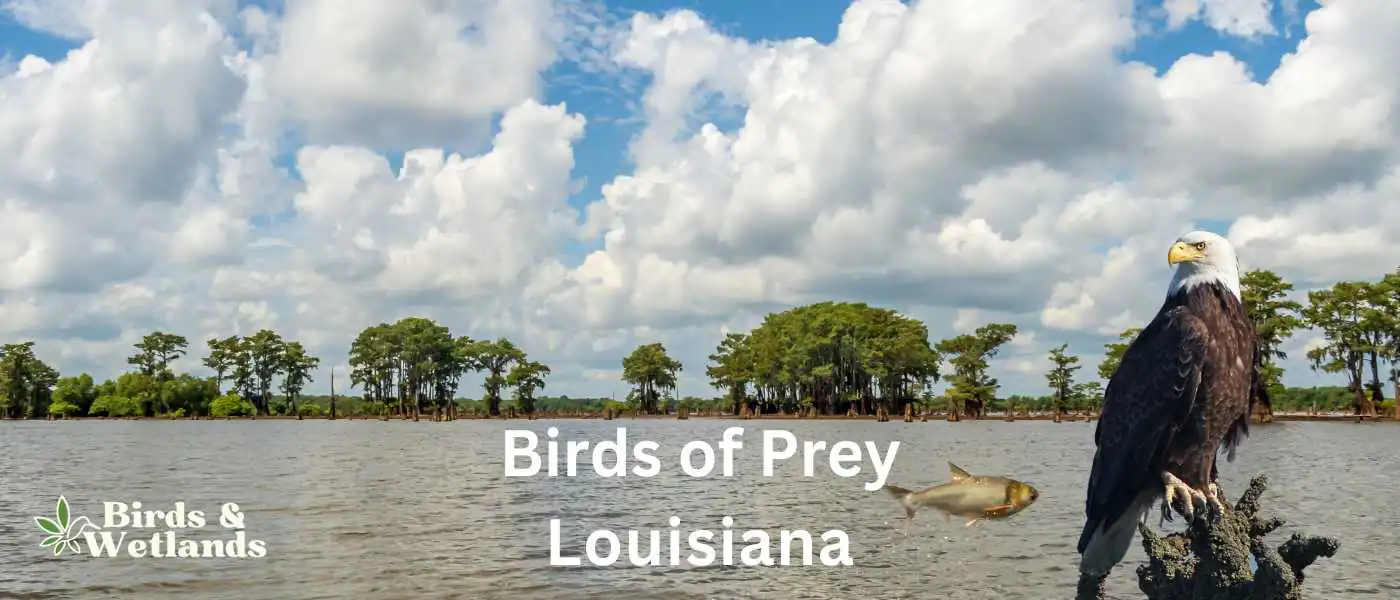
column 602, row 154
column 610, row 103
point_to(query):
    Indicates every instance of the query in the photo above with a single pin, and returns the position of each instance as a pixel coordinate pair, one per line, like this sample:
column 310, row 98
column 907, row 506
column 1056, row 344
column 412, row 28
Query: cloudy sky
column 583, row 177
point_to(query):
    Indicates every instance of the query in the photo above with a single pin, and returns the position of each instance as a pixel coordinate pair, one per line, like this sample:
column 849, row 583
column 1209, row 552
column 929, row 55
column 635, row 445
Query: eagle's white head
column 1203, row 257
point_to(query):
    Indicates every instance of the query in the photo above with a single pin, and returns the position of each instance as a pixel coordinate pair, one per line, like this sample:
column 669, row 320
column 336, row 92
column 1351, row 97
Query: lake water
column 385, row 510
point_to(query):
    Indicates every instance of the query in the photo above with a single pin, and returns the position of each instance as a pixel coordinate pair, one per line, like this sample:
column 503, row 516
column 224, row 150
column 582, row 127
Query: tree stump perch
column 1210, row 560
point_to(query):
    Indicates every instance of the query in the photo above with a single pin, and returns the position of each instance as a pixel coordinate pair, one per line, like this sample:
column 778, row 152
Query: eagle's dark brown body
column 1180, row 394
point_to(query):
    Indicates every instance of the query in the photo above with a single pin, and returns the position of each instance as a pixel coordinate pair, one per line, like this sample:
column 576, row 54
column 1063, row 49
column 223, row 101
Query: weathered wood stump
column 1210, row 560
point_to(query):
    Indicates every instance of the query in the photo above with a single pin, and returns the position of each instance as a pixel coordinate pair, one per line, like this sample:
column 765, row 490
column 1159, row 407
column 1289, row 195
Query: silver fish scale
column 968, row 497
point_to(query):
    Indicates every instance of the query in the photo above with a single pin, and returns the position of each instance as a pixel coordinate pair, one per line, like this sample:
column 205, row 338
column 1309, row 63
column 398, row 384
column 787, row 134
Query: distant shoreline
column 1277, row 417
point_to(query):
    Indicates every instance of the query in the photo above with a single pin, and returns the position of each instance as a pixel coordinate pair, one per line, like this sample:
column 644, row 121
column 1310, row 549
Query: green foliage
column 1087, row 396
column 26, row 382
column 187, row 395
column 1391, row 300
column 223, row 358
column 1387, row 407
column 1326, row 399
column 251, row 362
column 79, row 392
column 567, row 404
column 154, row 396
column 155, row 352
column 651, row 371
column 527, row 377
column 142, row 388
column 296, row 369
column 969, row 354
column 64, row 409
column 262, row 357
column 1113, row 353
column 1349, row 316
column 1061, row 376
column 495, row 358
column 231, row 405
column 415, row 362
column 115, row 406
column 615, row 406
column 730, row 367
column 1083, row 398
column 1275, row 317
column 842, row 355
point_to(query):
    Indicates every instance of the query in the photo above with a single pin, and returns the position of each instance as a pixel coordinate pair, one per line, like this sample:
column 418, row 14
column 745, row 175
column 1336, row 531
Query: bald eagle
column 1182, row 391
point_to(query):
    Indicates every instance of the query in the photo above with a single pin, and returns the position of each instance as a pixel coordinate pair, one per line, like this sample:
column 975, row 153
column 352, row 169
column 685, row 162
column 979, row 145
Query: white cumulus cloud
column 208, row 168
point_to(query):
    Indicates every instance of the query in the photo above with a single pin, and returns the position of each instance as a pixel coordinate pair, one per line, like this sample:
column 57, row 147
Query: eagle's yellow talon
column 1175, row 488
column 1213, row 498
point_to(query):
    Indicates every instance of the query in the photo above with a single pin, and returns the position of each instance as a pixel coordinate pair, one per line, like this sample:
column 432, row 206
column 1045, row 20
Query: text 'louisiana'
column 604, row 548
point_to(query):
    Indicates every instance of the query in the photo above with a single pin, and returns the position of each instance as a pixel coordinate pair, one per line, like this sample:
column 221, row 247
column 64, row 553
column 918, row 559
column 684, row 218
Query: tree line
column 31, row 388
column 833, row 357
column 416, row 363
column 826, row 358
column 406, row 368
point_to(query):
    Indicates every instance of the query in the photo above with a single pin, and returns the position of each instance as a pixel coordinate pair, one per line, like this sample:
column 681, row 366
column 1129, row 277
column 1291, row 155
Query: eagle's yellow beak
column 1182, row 252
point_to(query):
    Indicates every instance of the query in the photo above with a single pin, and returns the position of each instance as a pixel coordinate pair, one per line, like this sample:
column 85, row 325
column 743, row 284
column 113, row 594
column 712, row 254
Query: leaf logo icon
column 63, row 534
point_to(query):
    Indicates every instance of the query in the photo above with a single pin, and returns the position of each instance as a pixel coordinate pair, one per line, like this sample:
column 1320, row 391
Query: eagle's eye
column 1200, row 245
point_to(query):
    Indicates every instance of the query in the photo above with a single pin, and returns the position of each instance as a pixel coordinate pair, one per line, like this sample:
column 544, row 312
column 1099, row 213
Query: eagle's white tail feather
column 1109, row 545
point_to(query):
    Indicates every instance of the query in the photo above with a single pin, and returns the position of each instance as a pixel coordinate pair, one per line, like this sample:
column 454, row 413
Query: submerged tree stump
column 1210, row 560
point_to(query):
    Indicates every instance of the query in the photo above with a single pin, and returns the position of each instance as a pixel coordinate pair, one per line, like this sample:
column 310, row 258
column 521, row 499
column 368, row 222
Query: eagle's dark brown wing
column 1258, row 390
column 1146, row 405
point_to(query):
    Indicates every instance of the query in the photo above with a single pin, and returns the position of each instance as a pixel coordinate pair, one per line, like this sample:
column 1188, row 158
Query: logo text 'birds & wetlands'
column 133, row 530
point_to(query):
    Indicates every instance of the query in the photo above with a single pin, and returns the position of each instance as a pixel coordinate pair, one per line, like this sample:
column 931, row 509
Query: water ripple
column 377, row 510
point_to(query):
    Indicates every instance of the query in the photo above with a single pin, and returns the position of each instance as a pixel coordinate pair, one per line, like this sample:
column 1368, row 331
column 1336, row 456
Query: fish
column 973, row 497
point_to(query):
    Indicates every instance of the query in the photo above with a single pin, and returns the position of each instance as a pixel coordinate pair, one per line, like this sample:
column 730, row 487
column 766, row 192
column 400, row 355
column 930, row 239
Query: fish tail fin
column 898, row 492
column 1103, row 545
column 901, row 495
